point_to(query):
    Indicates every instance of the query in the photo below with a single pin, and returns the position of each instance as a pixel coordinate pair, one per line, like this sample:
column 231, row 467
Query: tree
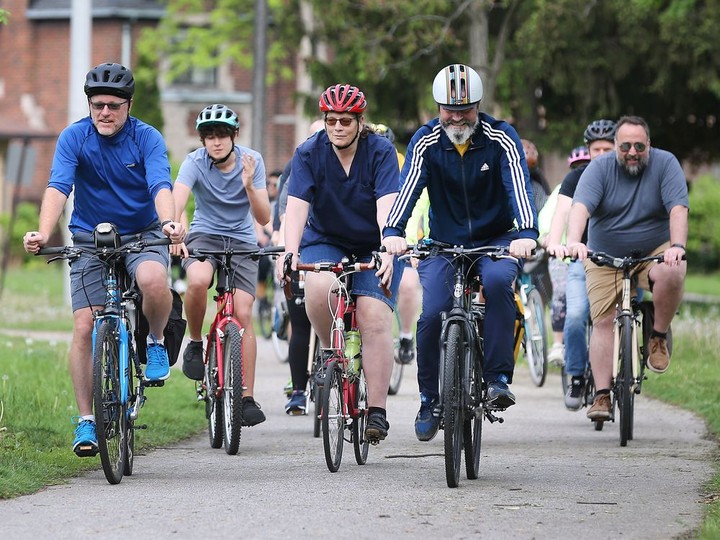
column 4, row 16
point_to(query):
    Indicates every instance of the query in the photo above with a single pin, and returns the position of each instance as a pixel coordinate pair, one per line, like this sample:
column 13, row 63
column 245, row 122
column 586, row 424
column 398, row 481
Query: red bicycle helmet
column 343, row 98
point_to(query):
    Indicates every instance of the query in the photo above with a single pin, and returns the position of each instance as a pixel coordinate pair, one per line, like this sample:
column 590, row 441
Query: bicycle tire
column 265, row 316
column 315, row 390
column 213, row 402
column 110, row 414
column 473, row 423
column 333, row 419
column 453, row 403
column 360, row 444
column 535, row 337
column 233, row 391
column 397, row 371
column 623, row 384
column 281, row 347
column 129, row 461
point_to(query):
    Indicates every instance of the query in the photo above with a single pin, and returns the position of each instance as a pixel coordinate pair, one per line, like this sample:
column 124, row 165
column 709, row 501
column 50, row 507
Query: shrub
column 703, row 245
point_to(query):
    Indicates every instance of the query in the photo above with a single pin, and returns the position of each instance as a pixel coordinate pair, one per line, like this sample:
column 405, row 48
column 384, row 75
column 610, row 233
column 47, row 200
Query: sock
column 152, row 340
column 655, row 333
column 90, row 417
column 406, row 335
column 377, row 410
column 605, row 391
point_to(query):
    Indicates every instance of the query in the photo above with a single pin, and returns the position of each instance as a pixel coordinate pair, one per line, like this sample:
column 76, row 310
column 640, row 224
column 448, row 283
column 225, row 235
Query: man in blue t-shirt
column 635, row 200
column 344, row 180
column 119, row 169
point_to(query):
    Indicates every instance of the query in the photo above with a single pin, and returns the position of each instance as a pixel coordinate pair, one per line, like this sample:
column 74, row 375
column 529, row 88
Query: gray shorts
column 245, row 269
column 87, row 277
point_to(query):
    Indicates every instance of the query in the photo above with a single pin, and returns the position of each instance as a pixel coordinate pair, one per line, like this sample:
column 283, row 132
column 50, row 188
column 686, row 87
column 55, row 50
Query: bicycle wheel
column 110, row 414
column 232, row 391
column 315, row 390
column 360, row 443
column 623, row 384
column 265, row 319
column 132, row 401
column 535, row 338
column 397, row 371
column 472, row 424
column 453, row 402
column 213, row 403
column 333, row 419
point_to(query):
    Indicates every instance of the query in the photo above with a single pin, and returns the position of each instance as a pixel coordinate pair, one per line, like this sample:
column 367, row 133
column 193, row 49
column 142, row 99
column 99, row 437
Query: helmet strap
column 348, row 145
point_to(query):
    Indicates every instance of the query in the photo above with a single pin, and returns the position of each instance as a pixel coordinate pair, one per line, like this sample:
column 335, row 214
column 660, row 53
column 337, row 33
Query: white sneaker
column 556, row 355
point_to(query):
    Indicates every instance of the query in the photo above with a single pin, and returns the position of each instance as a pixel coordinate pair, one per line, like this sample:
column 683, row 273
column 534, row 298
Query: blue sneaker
column 298, row 403
column 85, row 443
column 158, row 365
column 426, row 421
column 499, row 395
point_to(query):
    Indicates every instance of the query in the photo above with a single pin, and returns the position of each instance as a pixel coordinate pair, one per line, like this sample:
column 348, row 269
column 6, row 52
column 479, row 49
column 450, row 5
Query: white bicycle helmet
column 217, row 114
column 457, row 87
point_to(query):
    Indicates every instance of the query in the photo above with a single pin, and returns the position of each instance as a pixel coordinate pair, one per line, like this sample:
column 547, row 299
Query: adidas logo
column 484, row 167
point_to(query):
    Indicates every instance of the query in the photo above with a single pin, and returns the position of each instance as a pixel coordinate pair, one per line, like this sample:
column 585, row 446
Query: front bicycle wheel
column 333, row 419
column 132, row 401
column 110, row 413
column 535, row 338
column 360, row 444
column 472, row 424
column 397, row 371
column 265, row 319
column 315, row 389
column 232, row 390
column 453, row 402
column 623, row 384
column 213, row 400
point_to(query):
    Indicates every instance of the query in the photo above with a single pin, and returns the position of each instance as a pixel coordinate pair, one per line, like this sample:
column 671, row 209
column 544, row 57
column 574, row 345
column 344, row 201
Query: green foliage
column 703, row 245
column 26, row 217
column 146, row 105
column 4, row 16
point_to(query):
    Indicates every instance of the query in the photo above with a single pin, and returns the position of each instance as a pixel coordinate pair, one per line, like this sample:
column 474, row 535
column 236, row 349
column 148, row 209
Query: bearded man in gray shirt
column 636, row 201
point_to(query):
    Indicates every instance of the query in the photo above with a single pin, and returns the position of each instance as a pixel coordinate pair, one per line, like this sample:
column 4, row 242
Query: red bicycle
column 342, row 384
column 222, row 386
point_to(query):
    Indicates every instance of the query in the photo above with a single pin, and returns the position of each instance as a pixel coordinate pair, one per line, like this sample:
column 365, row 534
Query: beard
column 460, row 132
column 631, row 166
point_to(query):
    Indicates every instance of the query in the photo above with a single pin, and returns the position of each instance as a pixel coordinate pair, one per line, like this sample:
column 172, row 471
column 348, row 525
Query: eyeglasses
column 345, row 122
column 626, row 146
column 99, row 105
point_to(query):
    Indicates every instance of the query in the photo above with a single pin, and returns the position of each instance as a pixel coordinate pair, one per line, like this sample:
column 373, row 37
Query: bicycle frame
column 627, row 310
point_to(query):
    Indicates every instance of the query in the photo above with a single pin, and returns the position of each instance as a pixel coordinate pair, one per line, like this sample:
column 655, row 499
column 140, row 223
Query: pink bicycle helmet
column 343, row 98
column 578, row 156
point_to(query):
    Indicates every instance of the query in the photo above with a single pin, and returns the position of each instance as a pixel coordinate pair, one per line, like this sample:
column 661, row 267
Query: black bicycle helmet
column 111, row 79
column 600, row 130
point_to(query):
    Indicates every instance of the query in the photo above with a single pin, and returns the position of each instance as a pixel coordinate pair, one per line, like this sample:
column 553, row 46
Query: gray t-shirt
column 631, row 213
column 222, row 206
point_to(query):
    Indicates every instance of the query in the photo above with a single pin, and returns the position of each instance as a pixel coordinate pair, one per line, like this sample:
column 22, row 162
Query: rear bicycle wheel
column 213, row 401
column 472, row 425
column 398, row 367
column 110, row 414
column 453, row 403
column 360, row 444
column 232, row 391
column 265, row 320
column 535, row 337
column 333, row 418
column 132, row 401
column 623, row 385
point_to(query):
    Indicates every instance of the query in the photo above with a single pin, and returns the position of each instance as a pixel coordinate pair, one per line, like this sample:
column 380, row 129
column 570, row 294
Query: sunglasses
column 626, row 146
column 344, row 122
column 99, row 105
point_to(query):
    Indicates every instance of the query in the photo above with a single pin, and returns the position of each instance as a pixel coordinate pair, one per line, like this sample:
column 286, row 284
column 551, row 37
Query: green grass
column 705, row 284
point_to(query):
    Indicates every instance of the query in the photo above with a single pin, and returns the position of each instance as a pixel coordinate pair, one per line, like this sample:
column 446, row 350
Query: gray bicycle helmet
column 111, row 79
column 600, row 130
column 457, row 87
column 217, row 114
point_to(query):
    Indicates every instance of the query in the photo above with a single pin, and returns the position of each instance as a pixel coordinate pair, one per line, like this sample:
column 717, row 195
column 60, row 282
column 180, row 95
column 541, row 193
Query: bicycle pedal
column 153, row 384
column 86, row 450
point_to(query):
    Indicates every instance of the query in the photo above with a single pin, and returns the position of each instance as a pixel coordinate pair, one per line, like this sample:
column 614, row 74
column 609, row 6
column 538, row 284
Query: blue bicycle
column 118, row 382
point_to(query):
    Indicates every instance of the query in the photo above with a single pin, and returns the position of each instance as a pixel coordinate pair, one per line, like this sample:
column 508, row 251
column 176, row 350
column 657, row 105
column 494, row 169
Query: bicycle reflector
column 106, row 235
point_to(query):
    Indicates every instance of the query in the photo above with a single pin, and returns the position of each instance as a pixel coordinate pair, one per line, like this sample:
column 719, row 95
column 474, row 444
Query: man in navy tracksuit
column 479, row 186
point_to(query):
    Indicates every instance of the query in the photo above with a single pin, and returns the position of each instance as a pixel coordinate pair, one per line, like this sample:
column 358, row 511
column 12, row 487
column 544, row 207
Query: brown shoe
column 659, row 358
column 600, row 409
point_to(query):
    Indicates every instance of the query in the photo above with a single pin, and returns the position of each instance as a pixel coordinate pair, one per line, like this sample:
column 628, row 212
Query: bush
column 703, row 246
column 26, row 217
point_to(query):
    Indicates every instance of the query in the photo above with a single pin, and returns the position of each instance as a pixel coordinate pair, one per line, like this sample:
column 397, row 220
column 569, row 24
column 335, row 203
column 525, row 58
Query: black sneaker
column 193, row 366
column 252, row 415
column 406, row 353
column 574, row 394
column 376, row 428
column 499, row 395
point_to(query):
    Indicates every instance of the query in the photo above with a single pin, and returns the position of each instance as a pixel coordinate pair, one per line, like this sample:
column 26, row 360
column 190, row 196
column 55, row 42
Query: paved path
column 545, row 474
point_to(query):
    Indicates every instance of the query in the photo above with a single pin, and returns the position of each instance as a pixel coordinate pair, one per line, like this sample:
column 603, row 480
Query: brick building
column 34, row 71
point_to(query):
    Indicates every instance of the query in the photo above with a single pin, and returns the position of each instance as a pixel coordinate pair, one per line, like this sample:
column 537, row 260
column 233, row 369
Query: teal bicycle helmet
column 217, row 114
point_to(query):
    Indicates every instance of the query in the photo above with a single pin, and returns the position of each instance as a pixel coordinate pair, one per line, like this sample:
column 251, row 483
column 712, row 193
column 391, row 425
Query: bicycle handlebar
column 603, row 259
column 73, row 252
column 430, row 248
column 256, row 253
